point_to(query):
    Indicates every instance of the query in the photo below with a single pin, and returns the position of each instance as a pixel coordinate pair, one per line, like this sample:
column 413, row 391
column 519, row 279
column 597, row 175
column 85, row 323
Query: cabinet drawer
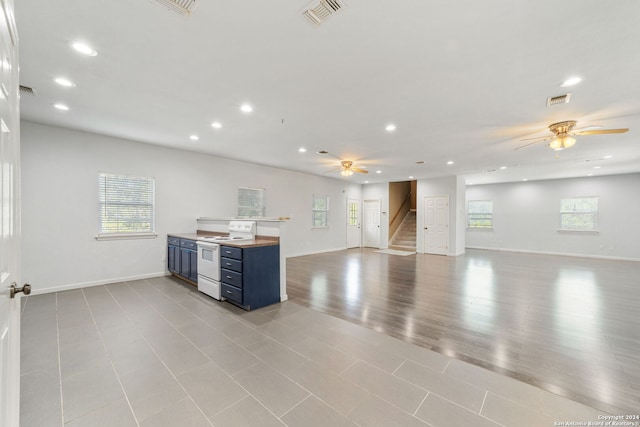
column 189, row 244
column 175, row 241
column 231, row 277
column 231, row 264
column 232, row 293
column 229, row 252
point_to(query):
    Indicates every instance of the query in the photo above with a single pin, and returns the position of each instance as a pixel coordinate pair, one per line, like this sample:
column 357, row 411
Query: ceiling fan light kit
column 562, row 142
column 564, row 135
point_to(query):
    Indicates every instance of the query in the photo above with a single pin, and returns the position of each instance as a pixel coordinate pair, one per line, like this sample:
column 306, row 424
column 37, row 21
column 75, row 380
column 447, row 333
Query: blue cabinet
column 250, row 276
column 173, row 254
column 182, row 258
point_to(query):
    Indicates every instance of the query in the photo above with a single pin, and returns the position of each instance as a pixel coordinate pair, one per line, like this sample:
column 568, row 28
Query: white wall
column 453, row 187
column 526, row 217
column 60, row 212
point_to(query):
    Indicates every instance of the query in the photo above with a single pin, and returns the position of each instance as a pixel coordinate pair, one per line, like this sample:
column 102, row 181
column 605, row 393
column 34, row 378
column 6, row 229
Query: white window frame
column 112, row 194
column 577, row 211
column 470, row 216
column 251, row 202
column 316, row 212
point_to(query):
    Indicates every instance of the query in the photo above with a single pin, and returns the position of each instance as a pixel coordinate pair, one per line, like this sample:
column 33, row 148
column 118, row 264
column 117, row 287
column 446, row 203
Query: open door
column 9, row 219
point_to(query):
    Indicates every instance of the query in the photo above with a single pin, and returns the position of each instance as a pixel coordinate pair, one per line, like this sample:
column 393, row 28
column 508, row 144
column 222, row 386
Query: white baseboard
column 36, row 291
column 528, row 251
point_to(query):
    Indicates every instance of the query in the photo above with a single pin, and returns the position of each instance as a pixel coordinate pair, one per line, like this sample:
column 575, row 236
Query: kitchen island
column 249, row 269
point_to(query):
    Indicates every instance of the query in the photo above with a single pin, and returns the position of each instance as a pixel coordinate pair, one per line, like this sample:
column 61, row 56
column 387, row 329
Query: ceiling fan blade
column 600, row 131
column 539, row 138
column 531, row 143
column 359, row 170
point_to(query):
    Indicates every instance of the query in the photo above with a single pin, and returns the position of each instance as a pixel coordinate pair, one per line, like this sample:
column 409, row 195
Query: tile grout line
column 159, row 358
column 275, row 370
column 486, row 393
column 113, row 367
column 204, row 354
column 231, row 376
column 446, row 366
column 421, row 403
column 398, row 368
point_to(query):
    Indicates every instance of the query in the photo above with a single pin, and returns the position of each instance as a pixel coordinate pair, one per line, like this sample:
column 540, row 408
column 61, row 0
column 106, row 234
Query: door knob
column 13, row 290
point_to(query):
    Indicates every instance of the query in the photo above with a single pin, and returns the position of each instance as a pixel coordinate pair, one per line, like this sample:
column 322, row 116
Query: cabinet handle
column 229, row 277
column 228, row 263
column 229, row 292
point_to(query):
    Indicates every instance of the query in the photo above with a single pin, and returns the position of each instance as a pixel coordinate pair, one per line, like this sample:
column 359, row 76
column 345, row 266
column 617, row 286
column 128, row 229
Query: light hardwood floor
column 568, row 325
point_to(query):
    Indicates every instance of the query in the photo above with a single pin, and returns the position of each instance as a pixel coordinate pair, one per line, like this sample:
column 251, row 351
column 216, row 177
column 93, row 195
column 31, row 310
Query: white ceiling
column 462, row 80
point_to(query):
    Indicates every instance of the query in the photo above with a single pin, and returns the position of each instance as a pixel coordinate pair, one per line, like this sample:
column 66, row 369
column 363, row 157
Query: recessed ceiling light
column 525, row 179
column 366, row 182
column 471, row 183
column 322, row 152
column 597, row 167
column 390, row 127
column 302, row 150
column 194, row 137
column 450, row 162
column 84, row 48
column 378, row 171
column 61, row 107
column 246, row 108
column 503, row 167
column 64, row 82
column 420, row 162
column 216, row 125
column 608, row 156
column 589, row 174
column 571, row 81
column 411, row 177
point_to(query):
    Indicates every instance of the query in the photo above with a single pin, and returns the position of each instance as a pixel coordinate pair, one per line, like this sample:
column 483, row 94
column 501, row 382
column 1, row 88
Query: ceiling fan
column 564, row 132
column 347, row 168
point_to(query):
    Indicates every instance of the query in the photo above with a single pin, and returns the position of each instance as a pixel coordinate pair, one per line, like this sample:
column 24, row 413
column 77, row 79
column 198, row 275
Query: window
column 126, row 205
column 480, row 214
column 251, row 202
column 320, row 211
column 579, row 214
column 353, row 213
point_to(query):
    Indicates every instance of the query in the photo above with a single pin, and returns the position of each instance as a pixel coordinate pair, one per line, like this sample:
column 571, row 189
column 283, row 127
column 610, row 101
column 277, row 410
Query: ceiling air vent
column 25, row 90
column 183, row 7
column 561, row 99
column 318, row 12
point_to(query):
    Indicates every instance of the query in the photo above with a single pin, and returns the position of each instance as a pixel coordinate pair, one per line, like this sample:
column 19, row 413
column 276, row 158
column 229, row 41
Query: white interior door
column 372, row 223
column 436, row 225
column 354, row 232
column 9, row 219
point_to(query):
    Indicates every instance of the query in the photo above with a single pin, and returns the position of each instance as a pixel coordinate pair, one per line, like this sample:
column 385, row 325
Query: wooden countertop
column 257, row 242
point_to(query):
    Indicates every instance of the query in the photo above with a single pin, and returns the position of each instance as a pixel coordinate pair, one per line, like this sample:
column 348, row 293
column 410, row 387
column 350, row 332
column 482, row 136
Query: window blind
column 320, row 211
column 251, row 202
column 579, row 214
column 126, row 204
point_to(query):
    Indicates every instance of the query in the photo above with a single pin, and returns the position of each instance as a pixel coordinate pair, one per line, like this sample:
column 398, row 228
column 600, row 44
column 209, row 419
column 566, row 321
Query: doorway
column 354, row 234
column 436, row 225
column 372, row 223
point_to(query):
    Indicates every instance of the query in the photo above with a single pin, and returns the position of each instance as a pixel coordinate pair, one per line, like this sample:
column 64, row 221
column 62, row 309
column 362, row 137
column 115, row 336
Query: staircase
column 405, row 237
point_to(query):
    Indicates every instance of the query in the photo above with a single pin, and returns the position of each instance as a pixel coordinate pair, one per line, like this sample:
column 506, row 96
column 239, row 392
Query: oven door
column 209, row 260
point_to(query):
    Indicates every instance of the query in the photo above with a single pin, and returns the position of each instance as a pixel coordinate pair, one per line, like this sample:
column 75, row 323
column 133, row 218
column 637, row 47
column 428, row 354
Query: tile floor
column 158, row 353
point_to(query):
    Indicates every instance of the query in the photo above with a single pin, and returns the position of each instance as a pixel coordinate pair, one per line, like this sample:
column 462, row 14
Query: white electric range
column 209, row 255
